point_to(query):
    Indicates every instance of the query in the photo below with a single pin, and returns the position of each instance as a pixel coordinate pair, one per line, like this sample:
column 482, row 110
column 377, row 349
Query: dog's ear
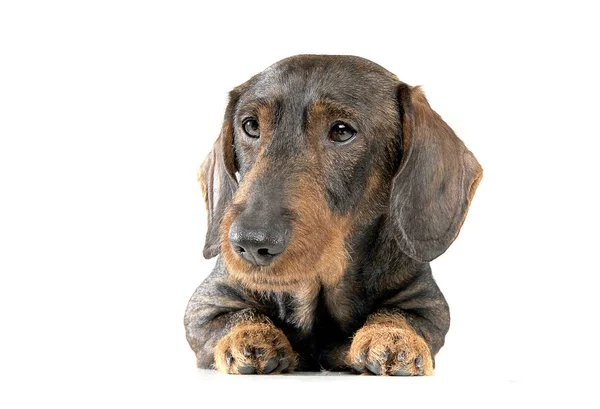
column 435, row 182
column 217, row 178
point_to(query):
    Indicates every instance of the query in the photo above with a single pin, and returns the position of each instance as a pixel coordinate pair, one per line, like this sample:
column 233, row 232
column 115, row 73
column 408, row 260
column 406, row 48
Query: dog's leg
column 404, row 334
column 228, row 332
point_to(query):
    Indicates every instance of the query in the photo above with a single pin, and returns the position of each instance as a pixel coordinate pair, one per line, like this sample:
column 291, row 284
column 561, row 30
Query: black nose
column 258, row 245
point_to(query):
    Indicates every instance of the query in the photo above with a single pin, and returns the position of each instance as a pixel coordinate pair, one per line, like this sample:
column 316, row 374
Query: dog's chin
column 282, row 275
column 264, row 279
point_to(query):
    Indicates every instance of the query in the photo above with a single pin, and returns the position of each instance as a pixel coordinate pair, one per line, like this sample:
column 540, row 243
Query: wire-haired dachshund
column 329, row 190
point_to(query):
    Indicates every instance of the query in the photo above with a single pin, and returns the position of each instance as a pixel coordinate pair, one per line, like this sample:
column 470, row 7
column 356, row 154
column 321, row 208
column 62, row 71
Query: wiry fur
column 254, row 345
column 353, row 289
column 312, row 221
column 387, row 345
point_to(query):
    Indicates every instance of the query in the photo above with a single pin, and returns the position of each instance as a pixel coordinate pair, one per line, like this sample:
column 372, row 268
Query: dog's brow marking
column 333, row 106
column 254, row 105
column 258, row 102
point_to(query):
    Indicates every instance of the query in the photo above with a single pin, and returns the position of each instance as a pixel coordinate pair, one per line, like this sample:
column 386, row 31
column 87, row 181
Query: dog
column 331, row 187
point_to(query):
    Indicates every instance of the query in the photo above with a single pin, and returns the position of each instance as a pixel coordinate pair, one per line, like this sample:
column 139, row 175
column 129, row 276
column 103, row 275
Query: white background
column 108, row 108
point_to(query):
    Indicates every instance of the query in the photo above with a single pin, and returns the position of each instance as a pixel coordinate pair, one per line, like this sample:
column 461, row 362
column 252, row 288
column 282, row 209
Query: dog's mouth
column 269, row 278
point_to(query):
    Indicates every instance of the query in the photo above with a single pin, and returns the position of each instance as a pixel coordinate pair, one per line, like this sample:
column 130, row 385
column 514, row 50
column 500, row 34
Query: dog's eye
column 251, row 128
column 341, row 132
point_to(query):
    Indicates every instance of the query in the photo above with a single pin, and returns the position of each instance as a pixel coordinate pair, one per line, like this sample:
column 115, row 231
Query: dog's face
column 316, row 147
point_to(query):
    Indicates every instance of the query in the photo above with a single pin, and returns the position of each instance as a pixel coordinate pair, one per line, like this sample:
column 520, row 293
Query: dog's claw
column 419, row 362
column 270, row 365
column 247, row 370
column 228, row 358
column 400, row 372
column 284, row 364
column 374, row 367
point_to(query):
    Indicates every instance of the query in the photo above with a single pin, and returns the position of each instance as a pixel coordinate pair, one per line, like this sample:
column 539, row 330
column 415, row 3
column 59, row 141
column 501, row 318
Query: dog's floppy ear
column 217, row 179
column 435, row 183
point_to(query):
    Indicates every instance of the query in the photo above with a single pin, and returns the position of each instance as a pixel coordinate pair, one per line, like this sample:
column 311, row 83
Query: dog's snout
column 258, row 243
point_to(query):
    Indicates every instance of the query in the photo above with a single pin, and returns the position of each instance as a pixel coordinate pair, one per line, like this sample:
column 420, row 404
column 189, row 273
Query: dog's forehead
column 306, row 78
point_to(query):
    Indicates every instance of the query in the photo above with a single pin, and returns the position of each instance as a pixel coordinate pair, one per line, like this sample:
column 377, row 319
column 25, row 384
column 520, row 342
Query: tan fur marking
column 202, row 181
column 330, row 109
column 388, row 340
column 306, row 302
column 316, row 253
column 472, row 187
column 247, row 336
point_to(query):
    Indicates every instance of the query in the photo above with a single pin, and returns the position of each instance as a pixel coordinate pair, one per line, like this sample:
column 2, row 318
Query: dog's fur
column 353, row 289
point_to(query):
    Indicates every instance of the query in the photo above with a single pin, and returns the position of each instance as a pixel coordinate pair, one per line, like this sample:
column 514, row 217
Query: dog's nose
column 257, row 245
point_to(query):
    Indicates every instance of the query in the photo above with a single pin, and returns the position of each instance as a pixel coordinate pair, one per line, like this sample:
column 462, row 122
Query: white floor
column 173, row 382
column 480, row 390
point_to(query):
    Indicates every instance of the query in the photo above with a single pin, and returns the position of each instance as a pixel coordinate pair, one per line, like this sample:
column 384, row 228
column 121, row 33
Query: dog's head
column 315, row 147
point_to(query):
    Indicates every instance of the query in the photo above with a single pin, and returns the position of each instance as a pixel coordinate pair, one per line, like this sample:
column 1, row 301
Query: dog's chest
column 305, row 309
column 318, row 317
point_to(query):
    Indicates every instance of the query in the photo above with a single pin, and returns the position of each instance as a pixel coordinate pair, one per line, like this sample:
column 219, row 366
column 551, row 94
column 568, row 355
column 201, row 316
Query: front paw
column 383, row 349
column 254, row 348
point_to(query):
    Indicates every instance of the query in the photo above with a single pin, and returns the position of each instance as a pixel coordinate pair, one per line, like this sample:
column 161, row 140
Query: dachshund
column 331, row 187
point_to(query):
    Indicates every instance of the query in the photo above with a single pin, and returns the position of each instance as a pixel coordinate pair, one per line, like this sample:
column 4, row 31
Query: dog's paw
column 383, row 349
column 254, row 348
